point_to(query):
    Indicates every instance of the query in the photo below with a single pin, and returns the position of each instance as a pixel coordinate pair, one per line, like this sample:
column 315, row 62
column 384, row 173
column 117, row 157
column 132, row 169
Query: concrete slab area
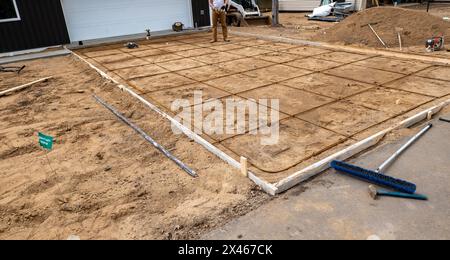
column 424, row 86
column 314, row 64
column 160, row 82
column 334, row 206
column 238, row 83
column 348, row 118
column 315, row 87
column 367, row 75
column 437, row 72
column 327, row 85
column 342, row 57
column 292, row 101
column 298, row 140
column 278, row 73
column 398, row 66
column 390, row 101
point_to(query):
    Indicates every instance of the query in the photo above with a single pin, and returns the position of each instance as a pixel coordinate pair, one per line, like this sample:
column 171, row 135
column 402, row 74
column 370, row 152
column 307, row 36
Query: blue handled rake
column 376, row 177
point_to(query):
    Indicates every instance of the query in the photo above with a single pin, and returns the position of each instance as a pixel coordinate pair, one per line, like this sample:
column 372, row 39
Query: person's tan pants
column 222, row 16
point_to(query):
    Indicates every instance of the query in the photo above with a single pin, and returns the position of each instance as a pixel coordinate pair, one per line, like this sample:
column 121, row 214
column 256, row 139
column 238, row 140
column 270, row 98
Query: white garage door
column 95, row 19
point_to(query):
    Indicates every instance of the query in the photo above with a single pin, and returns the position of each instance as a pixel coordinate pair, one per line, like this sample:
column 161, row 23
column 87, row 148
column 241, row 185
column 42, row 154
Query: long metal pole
column 389, row 161
column 146, row 137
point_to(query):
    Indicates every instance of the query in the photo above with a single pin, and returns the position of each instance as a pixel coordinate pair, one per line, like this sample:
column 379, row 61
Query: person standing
column 219, row 12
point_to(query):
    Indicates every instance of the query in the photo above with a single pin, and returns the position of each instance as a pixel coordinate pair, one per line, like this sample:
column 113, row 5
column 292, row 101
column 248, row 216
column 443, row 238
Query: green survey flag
column 45, row 141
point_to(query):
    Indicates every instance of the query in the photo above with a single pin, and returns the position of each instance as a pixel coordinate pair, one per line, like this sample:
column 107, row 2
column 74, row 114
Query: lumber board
column 24, row 86
column 267, row 187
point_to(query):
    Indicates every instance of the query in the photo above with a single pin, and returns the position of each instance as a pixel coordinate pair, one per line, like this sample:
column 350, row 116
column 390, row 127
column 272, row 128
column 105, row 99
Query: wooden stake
column 244, row 166
column 8, row 91
column 430, row 115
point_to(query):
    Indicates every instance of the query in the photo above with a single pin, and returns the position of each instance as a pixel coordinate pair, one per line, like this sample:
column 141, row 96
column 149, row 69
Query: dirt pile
column 417, row 27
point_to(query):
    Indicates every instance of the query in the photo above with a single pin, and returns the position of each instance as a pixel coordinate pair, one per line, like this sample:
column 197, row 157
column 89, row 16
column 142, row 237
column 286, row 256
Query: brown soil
column 294, row 25
column 417, row 27
column 103, row 181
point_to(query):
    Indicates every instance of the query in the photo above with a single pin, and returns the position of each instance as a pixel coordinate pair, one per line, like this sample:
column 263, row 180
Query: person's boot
column 213, row 41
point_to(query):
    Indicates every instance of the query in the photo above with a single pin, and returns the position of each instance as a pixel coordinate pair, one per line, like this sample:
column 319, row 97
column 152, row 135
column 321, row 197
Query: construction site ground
column 328, row 99
column 103, row 181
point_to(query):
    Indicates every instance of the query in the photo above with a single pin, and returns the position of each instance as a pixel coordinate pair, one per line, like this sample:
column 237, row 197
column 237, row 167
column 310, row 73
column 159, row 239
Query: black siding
column 200, row 11
column 42, row 24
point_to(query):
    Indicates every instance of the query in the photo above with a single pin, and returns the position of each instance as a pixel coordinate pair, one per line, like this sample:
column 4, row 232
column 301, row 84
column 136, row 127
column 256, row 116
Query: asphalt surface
column 335, row 206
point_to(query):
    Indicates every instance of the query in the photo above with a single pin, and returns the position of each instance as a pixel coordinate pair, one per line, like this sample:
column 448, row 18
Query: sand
column 418, row 26
column 103, row 180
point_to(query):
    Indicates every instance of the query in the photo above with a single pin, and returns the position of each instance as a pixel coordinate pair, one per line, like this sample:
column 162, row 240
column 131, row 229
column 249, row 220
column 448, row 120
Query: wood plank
column 21, row 87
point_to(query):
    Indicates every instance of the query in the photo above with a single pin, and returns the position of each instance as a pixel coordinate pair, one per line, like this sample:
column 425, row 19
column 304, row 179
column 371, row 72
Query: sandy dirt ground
column 328, row 99
column 294, row 25
column 297, row 26
column 414, row 27
column 102, row 180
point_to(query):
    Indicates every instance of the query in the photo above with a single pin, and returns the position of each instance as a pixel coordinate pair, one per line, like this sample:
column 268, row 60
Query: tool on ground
column 378, row 36
column 435, row 44
column 391, row 159
column 376, row 177
column 131, row 45
column 177, row 27
column 147, row 137
column 399, row 31
column 444, row 120
column 375, row 193
column 12, row 69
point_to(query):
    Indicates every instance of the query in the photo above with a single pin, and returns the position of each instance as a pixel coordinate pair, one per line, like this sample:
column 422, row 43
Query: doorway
column 200, row 11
